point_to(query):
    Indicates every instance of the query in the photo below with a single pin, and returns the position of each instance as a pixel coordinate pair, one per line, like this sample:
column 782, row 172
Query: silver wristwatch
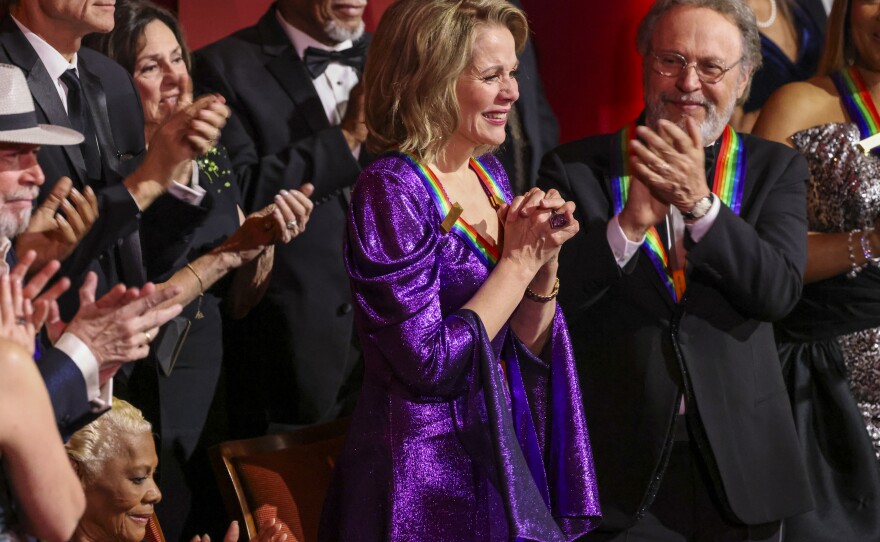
column 700, row 208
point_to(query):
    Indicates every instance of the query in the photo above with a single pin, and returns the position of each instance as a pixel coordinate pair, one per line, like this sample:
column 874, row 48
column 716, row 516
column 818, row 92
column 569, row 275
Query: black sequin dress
column 844, row 194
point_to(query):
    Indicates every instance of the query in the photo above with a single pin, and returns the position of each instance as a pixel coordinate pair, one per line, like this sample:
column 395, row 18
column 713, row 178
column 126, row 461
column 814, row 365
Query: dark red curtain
column 586, row 50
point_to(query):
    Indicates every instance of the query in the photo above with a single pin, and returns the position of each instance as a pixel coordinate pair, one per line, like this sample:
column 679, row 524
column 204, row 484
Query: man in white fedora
column 103, row 333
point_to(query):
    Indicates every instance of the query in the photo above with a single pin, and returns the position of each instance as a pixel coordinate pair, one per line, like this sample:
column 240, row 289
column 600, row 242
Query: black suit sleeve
column 758, row 265
column 587, row 266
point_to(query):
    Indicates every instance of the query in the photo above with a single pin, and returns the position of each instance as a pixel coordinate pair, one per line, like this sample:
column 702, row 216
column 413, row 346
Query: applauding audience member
column 181, row 397
column 291, row 82
column 104, row 333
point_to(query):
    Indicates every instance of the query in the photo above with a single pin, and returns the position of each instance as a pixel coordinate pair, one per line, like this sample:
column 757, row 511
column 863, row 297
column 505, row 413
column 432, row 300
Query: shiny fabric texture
column 8, row 517
column 444, row 444
column 844, row 472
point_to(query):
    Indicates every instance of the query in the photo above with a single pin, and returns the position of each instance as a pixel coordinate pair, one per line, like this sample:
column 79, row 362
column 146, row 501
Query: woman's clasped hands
column 529, row 236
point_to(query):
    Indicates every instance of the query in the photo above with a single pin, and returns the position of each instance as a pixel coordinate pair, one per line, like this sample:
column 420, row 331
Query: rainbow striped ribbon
column 486, row 251
column 727, row 184
column 857, row 101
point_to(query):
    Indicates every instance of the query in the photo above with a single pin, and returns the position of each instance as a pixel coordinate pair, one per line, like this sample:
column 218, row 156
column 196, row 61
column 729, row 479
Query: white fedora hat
column 18, row 119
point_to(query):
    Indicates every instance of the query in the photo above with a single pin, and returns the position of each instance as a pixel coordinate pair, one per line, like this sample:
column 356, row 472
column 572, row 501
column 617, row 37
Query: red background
column 586, row 52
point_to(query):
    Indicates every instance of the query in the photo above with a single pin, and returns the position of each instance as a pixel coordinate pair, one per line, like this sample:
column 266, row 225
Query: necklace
column 771, row 19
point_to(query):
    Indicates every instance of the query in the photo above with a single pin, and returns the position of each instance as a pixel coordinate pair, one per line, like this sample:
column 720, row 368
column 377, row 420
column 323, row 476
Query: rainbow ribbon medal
column 727, row 184
column 486, row 251
column 857, row 101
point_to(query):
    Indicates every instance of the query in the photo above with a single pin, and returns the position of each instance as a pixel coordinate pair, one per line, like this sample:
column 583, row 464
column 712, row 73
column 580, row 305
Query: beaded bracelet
column 854, row 270
column 543, row 298
column 866, row 248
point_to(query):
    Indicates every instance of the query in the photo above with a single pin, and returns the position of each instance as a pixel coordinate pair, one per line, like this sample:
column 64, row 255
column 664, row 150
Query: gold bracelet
column 199, row 314
column 543, row 298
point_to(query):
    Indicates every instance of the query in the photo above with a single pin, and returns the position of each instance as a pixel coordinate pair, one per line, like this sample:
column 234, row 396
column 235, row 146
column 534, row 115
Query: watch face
column 700, row 208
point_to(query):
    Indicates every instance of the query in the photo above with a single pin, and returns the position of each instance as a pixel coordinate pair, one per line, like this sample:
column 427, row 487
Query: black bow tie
column 317, row 60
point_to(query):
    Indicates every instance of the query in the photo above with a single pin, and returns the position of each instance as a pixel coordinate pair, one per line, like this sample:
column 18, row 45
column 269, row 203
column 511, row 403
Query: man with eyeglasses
column 693, row 240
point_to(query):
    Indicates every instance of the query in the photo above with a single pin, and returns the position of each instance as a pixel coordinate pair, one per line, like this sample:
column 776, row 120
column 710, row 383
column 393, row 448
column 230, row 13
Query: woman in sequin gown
column 470, row 424
column 830, row 343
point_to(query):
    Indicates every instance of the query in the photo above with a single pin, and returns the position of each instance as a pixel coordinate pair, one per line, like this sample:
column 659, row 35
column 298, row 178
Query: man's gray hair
column 737, row 11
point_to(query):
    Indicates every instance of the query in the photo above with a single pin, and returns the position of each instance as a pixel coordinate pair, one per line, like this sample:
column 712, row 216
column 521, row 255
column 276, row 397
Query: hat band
column 18, row 121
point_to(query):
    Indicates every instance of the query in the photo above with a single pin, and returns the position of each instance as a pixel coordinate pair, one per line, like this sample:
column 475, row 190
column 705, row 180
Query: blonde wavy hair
column 418, row 52
column 97, row 442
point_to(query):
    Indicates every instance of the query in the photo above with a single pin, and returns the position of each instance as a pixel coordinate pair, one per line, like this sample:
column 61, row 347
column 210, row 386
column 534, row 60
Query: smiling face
column 697, row 34
column 328, row 21
column 160, row 74
column 864, row 21
column 121, row 498
column 487, row 89
column 20, row 178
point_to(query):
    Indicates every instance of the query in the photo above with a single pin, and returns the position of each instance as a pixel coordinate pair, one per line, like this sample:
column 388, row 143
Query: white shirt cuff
column 193, row 194
column 621, row 246
column 700, row 227
column 99, row 396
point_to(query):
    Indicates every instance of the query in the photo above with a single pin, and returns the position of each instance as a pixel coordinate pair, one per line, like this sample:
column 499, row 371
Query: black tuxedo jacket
column 638, row 352
column 112, row 97
column 279, row 137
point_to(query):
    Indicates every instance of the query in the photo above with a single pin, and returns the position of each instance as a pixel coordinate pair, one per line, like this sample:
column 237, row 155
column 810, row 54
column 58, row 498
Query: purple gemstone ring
column 558, row 221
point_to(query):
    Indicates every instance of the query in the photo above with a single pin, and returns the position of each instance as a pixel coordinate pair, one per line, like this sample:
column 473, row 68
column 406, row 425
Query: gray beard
column 710, row 128
column 12, row 223
column 337, row 33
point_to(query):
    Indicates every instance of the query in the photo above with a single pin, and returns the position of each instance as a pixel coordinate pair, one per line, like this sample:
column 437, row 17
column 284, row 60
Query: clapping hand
column 23, row 309
column 118, row 327
column 278, row 222
column 529, row 233
column 59, row 223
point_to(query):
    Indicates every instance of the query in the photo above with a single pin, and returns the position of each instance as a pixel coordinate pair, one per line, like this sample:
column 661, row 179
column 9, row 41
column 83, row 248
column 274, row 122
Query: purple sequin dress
column 444, row 444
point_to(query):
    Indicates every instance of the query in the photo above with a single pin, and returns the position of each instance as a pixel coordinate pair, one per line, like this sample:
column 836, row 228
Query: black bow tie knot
column 317, row 60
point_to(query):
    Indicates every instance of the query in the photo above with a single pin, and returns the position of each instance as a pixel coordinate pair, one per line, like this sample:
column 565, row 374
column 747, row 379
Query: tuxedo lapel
column 97, row 100
column 644, row 266
column 42, row 88
column 290, row 72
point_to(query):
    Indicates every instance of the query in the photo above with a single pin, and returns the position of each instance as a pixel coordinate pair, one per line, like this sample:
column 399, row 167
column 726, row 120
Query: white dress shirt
column 335, row 84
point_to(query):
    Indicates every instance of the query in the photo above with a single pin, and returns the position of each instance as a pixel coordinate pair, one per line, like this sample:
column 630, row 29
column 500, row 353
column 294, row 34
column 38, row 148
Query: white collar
column 54, row 61
column 301, row 41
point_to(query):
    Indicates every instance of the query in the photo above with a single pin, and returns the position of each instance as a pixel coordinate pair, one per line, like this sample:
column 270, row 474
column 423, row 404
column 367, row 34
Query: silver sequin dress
column 830, row 351
column 843, row 195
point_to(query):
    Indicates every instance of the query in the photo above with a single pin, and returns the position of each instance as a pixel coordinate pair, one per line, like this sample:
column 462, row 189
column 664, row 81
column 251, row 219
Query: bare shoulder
column 798, row 106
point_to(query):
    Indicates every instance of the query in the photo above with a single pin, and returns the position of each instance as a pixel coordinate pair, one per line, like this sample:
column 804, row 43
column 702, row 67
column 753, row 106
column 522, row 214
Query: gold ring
column 149, row 337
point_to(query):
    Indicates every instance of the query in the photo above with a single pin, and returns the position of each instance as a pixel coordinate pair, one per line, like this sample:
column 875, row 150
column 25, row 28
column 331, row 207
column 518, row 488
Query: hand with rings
column 23, row 309
column 529, row 232
column 278, row 222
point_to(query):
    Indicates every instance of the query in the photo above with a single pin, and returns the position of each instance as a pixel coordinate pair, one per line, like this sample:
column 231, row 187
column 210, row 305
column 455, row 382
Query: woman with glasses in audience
column 470, row 423
column 830, row 345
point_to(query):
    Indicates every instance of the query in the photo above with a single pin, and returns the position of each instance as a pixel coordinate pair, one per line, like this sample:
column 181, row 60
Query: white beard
column 337, row 33
column 710, row 128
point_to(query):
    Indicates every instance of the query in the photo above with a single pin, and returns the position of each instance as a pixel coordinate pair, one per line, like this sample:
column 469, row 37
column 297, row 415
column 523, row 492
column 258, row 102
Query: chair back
column 283, row 476
column 154, row 531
